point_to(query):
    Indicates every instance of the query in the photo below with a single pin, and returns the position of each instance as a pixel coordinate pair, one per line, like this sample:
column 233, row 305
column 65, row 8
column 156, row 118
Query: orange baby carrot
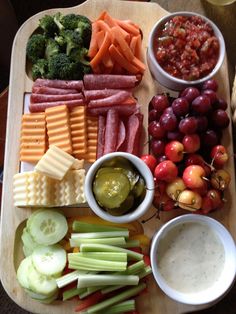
column 133, row 44
column 138, row 64
column 122, row 43
column 93, row 48
column 128, row 27
column 138, row 51
column 102, row 15
column 101, row 52
column 103, row 26
column 121, row 60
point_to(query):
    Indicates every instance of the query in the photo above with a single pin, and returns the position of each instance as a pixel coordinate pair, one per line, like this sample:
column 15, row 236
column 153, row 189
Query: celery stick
column 110, row 256
column 145, row 272
column 109, row 289
column 99, row 235
column 84, row 293
column 93, row 264
column 110, row 248
column 109, row 241
column 72, row 293
column 88, row 280
column 116, row 299
column 130, row 243
column 68, row 278
column 82, row 226
column 122, row 307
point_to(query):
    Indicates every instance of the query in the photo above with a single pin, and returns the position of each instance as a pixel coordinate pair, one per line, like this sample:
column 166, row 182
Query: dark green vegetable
column 48, row 25
column 52, row 48
column 72, row 40
column 80, row 55
column 57, row 19
column 36, row 47
column 40, row 69
column 85, row 29
column 60, row 67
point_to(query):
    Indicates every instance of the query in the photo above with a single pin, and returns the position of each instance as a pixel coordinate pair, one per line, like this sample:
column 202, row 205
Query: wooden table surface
column 225, row 18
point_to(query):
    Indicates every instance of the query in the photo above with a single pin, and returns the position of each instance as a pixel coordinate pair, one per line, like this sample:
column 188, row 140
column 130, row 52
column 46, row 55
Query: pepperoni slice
column 101, row 135
column 134, row 132
column 111, row 132
column 123, row 110
column 113, row 100
column 39, row 107
column 40, row 98
column 101, row 81
column 121, row 135
column 102, row 93
column 78, row 85
column 52, row 91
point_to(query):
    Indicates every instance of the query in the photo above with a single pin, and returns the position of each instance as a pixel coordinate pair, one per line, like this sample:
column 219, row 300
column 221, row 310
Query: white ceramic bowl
column 165, row 78
column 226, row 278
column 136, row 213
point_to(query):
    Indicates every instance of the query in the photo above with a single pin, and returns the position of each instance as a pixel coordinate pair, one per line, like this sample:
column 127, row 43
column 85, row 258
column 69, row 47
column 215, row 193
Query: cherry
column 191, row 143
column 150, row 161
column 189, row 200
column 174, row 188
column 220, row 179
column 174, row 151
column 193, row 176
column 219, row 156
column 166, row 171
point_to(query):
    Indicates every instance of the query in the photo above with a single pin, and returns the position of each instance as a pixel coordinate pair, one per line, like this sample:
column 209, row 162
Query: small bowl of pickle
column 119, row 187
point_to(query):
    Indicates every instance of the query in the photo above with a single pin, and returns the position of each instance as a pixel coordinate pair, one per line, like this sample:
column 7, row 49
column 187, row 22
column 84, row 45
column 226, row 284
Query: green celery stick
column 122, row 307
column 100, row 235
column 88, row 280
column 68, row 294
column 109, row 241
column 84, row 227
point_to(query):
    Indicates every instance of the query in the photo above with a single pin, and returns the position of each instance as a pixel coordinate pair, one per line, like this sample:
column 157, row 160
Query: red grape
column 209, row 138
column 155, row 130
column 220, row 104
column 202, row 123
column 153, row 115
column 161, row 158
column 210, row 84
column 190, row 93
column 158, row 147
column 180, row 106
column 175, row 136
column 220, row 119
column 201, row 105
column 160, row 102
column 211, row 95
column 168, row 122
column 188, row 125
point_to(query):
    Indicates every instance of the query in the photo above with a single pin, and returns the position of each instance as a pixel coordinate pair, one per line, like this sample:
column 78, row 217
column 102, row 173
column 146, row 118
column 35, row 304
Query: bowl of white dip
column 193, row 259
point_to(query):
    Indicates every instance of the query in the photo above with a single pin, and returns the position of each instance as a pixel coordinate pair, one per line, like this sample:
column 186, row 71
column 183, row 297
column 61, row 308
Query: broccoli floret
column 70, row 21
column 79, row 70
column 80, row 55
column 48, row 25
column 85, row 29
column 60, row 67
column 35, row 47
column 57, row 19
column 52, row 48
column 40, row 69
column 72, row 39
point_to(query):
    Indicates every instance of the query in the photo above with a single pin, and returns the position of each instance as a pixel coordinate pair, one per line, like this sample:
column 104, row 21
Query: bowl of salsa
column 184, row 48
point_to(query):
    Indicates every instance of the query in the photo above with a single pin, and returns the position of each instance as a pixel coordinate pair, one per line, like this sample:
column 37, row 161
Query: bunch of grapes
column 185, row 135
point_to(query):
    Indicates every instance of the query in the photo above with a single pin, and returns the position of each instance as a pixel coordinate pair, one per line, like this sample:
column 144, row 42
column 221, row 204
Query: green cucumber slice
column 49, row 260
column 41, row 298
column 47, row 227
column 40, row 283
column 22, row 272
column 27, row 252
column 28, row 241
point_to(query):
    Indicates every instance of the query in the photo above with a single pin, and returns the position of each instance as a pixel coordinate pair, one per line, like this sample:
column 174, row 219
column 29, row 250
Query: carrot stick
column 93, row 48
column 122, row 43
column 133, row 44
column 128, row 27
column 109, row 20
column 103, row 26
column 100, row 38
column 138, row 64
column 138, row 51
column 118, row 57
column 101, row 52
column 102, row 15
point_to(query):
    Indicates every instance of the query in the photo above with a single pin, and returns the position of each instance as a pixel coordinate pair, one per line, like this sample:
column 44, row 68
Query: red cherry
column 150, row 161
column 191, row 143
column 174, row 151
column 219, row 156
column 166, row 171
column 193, row 176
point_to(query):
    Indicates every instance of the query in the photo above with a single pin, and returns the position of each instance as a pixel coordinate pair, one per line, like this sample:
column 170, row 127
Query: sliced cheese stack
column 78, row 130
column 35, row 189
column 33, row 137
column 32, row 189
column 58, row 127
column 55, row 163
column 92, row 134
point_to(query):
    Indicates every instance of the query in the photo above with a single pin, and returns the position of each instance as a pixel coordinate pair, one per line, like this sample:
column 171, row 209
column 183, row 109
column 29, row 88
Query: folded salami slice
column 123, row 110
column 101, row 135
column 39, row 107
column 133, row 134
column 78, row 85
column 52, row 91
column 39, row 98
column 111, row 131
column 102, row 93
column 121, row 135
column 101, row 81
column 113, row 100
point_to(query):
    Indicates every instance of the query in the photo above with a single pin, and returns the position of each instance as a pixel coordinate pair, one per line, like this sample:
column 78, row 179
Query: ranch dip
column 190, row 257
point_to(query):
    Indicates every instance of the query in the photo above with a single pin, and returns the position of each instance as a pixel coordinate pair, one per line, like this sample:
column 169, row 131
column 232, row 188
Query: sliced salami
column 101, row 81
column 52, row 91
column 102, row 93
column 123, row 110
column 39, row 98
column 78, row 85
column 113, row 100
column 133, row 134
column 121, row 135
column 111, row 131
column 101, row 135
column 39, row 107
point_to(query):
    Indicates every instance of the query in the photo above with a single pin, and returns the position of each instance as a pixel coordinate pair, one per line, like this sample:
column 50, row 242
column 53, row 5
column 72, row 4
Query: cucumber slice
column 41, row 284
column 22, row 272
column 47, row 227
column 49, row 260
column 28, row 241
column 32, row 216
column 40, row 297
column 27, row 252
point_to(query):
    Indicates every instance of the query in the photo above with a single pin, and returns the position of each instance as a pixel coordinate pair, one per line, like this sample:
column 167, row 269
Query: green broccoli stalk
column 48, row 25
column 57, row 19
column 72, row 39
column 35, row 47
column 52, row 48
column 40, row 69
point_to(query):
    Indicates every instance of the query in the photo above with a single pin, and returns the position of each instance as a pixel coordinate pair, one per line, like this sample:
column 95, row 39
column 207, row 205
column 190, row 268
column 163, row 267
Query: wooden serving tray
column 13, row 219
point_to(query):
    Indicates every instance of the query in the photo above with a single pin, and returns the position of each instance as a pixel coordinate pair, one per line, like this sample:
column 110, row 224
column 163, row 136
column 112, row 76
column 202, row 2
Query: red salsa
column 186, row 47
